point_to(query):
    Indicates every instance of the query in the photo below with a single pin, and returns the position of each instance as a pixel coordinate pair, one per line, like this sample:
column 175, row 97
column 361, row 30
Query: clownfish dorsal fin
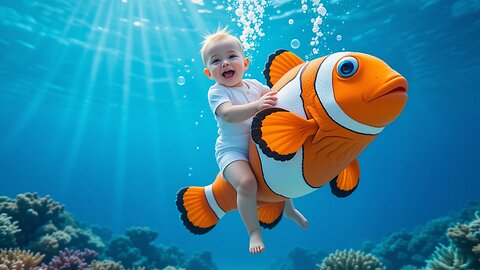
column 347, row 181
column 280, row 133
column 279, row 63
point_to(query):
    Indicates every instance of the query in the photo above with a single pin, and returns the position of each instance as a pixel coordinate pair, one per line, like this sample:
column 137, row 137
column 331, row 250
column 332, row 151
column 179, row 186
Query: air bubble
column 181, row 80
column 295, row 43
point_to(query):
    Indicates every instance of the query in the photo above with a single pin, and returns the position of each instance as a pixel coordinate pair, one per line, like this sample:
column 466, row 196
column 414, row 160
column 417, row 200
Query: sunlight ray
column 121, row 156
column 151, row 99
column 147, row 55
column 13, row 135
column 84, row 110
column 161, row 39
column 66, row 117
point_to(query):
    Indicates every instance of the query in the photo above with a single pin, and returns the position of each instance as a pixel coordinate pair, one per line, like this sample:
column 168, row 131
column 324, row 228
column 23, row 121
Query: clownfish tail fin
column 269, row 215
column 195, row 211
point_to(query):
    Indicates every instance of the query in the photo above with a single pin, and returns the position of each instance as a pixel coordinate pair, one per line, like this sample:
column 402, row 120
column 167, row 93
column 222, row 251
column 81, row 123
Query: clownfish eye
column 347, row 67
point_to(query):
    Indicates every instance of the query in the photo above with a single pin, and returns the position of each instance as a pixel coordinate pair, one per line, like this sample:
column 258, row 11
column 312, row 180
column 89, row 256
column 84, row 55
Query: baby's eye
column 233, row 56
column 214, row 61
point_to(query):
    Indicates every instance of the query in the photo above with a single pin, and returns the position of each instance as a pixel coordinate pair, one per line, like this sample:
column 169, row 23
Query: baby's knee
column 247, row 186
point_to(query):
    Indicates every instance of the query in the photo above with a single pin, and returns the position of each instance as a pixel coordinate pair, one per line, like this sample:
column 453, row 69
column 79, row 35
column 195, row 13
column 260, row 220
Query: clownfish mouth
column 228, row 74
column 396, row 85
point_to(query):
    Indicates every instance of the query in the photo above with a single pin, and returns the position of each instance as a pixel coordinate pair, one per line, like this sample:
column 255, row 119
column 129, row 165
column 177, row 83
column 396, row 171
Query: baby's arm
column 238, row 113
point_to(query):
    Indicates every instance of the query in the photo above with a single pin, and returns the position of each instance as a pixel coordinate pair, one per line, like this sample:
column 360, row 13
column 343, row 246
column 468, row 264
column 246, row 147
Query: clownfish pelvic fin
column 280, row 133
column 269, row 215
column 347, row 181
column 279, row 63
column 195, row 210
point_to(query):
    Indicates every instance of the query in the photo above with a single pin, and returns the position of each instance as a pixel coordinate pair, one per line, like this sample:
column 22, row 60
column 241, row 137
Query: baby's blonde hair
column 220, row 34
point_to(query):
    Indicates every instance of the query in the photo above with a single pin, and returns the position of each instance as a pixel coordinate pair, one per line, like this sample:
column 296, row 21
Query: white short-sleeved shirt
column 233, row 136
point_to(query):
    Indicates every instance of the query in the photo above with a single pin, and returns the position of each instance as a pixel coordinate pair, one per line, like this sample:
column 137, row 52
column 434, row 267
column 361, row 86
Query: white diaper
column 224, row 158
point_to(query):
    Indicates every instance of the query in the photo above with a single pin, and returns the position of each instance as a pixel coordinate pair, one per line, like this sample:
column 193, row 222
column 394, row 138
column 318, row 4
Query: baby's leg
column 294, row 214
column 240, row 175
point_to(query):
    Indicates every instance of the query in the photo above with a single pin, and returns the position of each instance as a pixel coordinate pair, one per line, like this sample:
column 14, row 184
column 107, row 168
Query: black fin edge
column 256, row 133
column 338, row 192
column 270, row 226
column 266, row 71
column 183, row 215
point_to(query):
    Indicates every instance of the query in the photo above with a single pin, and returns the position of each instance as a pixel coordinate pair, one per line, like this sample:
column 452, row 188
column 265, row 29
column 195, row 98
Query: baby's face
column 225, row 63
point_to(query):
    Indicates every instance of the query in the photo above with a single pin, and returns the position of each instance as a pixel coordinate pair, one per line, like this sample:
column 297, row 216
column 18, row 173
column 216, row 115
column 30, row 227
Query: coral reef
column 121, row 249
column 44, row 226
column 449, row 258
column 8, row 229
column 350, row 260
column 466, row 237
column 172, row 268
column 30, row 222
column 201, row 261
column 135, row 249
column 105, row 265
column 104, row 233
column 31, row 213
column 141, row 236
column 16, row 259
column 299, row 259
column 71, row 260
column 464, row 250
column 414, row 248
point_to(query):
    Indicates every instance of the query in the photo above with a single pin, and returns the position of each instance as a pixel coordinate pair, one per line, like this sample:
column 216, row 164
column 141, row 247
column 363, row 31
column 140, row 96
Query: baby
column 234, row 101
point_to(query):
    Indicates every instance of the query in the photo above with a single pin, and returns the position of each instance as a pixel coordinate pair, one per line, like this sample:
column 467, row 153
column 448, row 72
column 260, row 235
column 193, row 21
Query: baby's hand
column 268, row 100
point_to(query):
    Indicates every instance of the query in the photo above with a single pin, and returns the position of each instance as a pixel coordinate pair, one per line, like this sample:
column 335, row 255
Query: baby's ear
column 246, row 62
column 207, row 72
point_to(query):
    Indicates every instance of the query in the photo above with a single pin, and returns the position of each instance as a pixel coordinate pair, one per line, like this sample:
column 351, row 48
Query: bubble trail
column 249, row 15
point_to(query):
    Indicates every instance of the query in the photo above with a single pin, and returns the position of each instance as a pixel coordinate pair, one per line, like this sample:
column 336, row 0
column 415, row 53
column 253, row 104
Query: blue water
column 91, row 113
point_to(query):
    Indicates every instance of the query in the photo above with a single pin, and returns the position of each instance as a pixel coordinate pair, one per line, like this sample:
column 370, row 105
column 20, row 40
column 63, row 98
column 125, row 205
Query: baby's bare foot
column 298, row 218
column 256, row 242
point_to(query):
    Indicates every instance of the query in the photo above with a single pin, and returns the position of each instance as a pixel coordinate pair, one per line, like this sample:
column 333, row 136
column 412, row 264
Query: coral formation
column 454, row 247
column 201, row 261
column 42, row 225
column 299, row 259
column 414, row 248
column 141, row 236
column 449, row 258
column 8, row 229
column 45, row 227
column 121, row 249
column 466, row 237
column 31, row 213
column 172, row 268
column 71, row 260
column 409, row 267
column 463, row 252
column 105, row 265
column 16, row 259
column 350, row 260
column 136, row 250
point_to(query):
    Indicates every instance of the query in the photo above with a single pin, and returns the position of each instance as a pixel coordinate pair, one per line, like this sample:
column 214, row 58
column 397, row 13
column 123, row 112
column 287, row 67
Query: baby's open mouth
column 228, row 74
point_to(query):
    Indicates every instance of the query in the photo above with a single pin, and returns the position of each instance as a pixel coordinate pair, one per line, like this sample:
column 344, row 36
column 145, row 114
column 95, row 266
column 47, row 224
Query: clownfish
column 328, row 110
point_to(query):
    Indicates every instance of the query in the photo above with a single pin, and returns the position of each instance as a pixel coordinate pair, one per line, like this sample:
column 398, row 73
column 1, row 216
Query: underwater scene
column 105, row 126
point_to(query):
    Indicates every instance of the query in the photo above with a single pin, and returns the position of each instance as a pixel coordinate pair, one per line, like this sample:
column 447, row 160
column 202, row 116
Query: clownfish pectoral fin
column 280, row 133
column 279, row 63
column 347, row 181
column 269, row 215
column 195, row 212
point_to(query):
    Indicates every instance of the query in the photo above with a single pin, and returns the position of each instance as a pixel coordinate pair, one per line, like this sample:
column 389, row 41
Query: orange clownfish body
column 328, row 110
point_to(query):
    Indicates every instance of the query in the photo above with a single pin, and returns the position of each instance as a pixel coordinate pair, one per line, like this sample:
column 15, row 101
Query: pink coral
column 71, row 260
